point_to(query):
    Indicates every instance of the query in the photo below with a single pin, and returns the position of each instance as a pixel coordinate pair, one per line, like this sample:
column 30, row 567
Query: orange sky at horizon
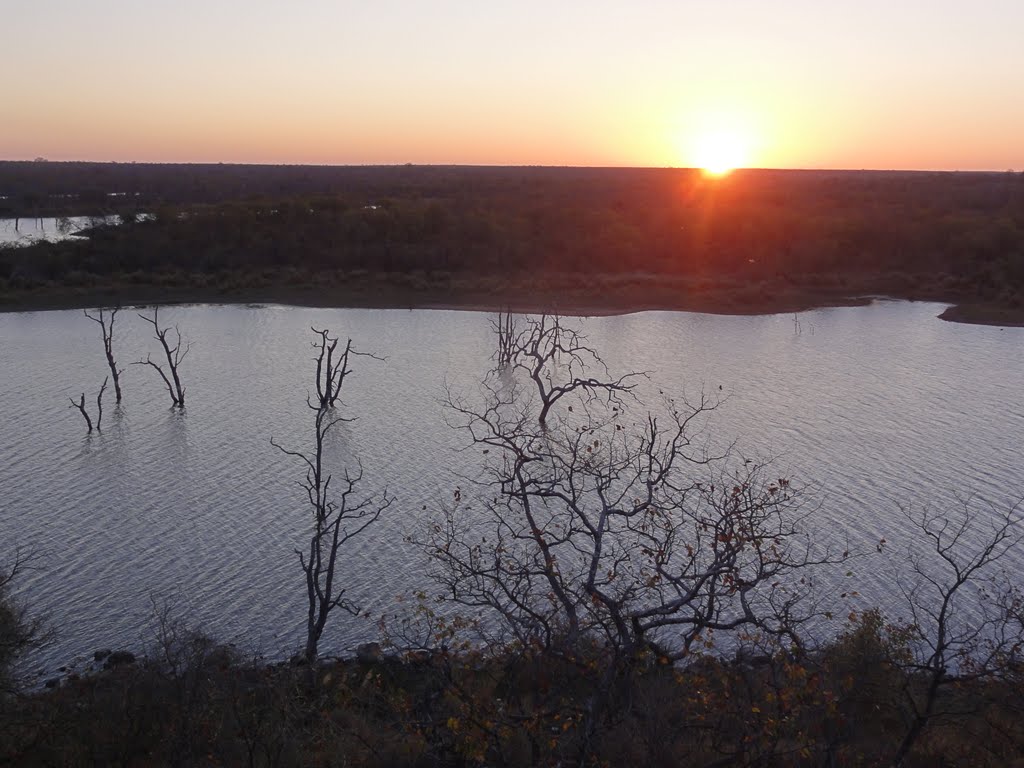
column 855, row 85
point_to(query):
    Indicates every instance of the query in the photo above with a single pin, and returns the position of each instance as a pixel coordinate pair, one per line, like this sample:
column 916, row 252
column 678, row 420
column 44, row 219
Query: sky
column 916, row 84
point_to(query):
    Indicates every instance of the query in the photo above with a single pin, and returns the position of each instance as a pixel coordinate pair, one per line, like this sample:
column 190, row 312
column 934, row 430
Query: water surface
column 25, row 231
column 872, row 407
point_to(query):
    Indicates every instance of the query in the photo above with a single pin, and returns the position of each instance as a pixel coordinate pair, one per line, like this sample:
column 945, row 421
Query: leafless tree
column 332, row 371
column 338, row 516
column 80, row 406
column 504, row 327
column 174, row 355
column 556, row 359
column 106, row 324
column 966, row 614
column 613, row 530
column 633, row 534
column 99, row 404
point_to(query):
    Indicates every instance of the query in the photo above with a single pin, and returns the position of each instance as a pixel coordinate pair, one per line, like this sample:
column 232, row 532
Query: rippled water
column 871, row 406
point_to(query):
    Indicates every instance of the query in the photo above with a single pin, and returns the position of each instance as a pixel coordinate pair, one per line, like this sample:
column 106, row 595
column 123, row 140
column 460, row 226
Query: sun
column 718, row 152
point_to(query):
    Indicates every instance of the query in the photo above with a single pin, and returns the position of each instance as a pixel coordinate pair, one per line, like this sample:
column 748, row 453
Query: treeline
column 920, row 235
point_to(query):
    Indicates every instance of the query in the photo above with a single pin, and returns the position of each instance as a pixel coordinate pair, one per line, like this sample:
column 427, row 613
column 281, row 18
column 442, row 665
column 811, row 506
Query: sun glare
column 720, row 152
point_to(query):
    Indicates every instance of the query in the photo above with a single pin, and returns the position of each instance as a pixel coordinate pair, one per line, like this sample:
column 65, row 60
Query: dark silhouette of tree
column 966, row 615
column 80, row 406
column 107, row 327
column 556, row 359
column 338, row 514
column 332, row 371
column 604, row 538
column 504, row 327
column 174, row 355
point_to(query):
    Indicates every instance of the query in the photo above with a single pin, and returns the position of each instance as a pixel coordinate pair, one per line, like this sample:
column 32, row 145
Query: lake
column 869, row 407
column 25, row 231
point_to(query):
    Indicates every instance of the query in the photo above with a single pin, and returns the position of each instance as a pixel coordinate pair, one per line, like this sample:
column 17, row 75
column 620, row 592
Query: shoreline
column 984, row 314
column 563, row 297
column 517, row 298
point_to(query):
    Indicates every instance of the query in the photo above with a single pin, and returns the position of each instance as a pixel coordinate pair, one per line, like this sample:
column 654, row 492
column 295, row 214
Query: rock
column 369, row 653
column 101, row 655
column 119, row 657
column 62, row 669
column 53, row 682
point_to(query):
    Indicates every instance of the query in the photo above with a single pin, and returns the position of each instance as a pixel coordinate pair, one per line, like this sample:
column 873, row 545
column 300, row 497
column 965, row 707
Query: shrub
column 18, row 631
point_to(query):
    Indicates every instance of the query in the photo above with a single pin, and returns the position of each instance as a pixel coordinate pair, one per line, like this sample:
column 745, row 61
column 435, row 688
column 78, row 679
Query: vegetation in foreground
column 195, row 703
column 595, row 239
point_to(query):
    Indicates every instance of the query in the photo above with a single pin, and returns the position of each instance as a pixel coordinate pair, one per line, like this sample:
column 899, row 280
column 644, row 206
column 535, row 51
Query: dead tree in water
column 337, row 517
column 80, row 405
column 505, row 329
column 175, row 356
column 331, row 372
column 107, row 326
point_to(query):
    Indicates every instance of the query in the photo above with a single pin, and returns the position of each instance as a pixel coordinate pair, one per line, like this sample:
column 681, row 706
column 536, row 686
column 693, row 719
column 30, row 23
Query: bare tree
column 631, row 533
column 966, row 614
column 99, row 404
column 605, row 533
column 630, row 530
column 331, row 372
column 174, row 355
column 504, row 327
column 556, row 358
column 80, row 405
column 338, row 516
column 106, row 324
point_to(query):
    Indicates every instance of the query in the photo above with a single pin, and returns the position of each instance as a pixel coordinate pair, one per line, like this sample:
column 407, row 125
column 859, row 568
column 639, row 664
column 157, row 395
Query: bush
column 18, row 631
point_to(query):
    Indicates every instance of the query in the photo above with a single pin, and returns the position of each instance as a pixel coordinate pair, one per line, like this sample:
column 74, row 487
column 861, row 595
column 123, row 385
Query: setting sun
column 720, row 152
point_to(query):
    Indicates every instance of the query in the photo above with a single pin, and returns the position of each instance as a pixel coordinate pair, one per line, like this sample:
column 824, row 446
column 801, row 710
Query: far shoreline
column 563, row 295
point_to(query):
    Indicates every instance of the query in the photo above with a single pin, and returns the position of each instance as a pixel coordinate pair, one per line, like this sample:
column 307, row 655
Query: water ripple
column 871, row 407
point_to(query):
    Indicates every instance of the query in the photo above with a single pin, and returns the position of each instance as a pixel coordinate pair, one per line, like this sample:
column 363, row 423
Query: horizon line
column 818, row 169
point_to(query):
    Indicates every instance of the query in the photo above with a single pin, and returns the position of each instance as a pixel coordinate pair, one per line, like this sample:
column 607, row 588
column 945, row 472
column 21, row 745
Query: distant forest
column 946, row 236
